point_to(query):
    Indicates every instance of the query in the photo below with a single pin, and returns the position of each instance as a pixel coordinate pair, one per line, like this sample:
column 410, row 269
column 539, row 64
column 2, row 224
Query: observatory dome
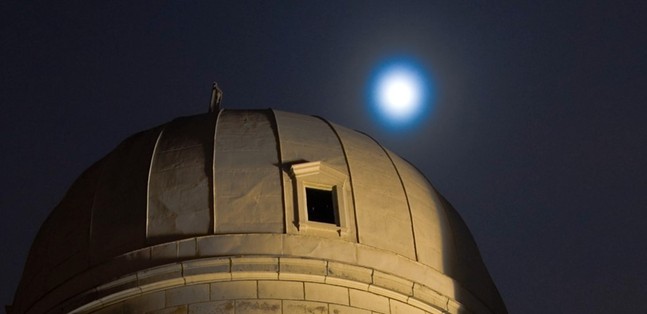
column 245, row 210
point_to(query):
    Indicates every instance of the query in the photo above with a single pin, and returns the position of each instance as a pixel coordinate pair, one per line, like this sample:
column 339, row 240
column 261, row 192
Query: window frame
column 317, row 175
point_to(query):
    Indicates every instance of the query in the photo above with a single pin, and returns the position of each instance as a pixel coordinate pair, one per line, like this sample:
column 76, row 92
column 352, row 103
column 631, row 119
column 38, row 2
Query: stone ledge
column 159, row 273
column 392, row 282
column 201, row 268
column 206, row 266
column 344, row 283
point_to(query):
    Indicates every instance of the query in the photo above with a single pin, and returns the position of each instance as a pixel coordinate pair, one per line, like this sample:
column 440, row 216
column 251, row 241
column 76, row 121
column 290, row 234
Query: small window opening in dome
column 321, row 206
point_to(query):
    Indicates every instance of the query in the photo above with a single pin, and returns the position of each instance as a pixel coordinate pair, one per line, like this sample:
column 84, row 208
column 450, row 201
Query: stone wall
column 267, row 296
column 260, row 284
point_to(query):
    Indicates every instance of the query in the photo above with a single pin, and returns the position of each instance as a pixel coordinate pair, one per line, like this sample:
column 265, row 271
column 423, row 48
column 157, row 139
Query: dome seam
column 406, row 195
column 277, row 134
column 148, row 179
column 213, row 172
column 350, row 175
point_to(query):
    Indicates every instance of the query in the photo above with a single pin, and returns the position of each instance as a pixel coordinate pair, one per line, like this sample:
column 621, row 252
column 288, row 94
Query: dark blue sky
column 537, row 137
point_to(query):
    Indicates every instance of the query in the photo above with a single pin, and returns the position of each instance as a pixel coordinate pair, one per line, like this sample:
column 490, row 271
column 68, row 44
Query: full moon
column 399, row 92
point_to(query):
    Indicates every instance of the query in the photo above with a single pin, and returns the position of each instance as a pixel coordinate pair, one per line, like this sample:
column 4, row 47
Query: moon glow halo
column 400, row 93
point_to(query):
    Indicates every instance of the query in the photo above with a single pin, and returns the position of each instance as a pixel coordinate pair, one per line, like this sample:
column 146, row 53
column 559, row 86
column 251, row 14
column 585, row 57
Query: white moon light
column 400, row 93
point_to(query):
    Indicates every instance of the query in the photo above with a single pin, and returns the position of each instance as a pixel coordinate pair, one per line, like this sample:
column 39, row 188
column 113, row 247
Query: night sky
column 538, row 135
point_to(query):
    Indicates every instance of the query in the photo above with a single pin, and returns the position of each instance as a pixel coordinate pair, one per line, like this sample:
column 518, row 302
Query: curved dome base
column 203, row 273
column 271, row 284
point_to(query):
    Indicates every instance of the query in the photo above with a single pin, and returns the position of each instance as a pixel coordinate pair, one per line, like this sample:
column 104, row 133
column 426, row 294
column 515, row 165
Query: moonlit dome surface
column 226, row 177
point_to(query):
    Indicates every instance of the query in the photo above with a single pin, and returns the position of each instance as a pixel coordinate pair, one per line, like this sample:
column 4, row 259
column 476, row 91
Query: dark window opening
column 321, row 206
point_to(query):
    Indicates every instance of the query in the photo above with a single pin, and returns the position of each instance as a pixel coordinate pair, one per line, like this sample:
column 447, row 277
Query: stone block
column 209, row 245
column 227, row 290
column 326, row 293
column 342, row 309
column 240, row 244
column 431, row 278
column 120, row 284
column 206, row 270
column 160, row 285
column 187, row 294
column 387, row 293
column 467, row 301
column 187, row 248
column 392, row 282
column 181, row 309
column 162, row 252
column 429, row 296
column 206, row 266
column 265, row 264
column 208, row 277
column 377, row 259
column 303, row 266
column 304, row 307
column 160, row 273
column 132, row 261
column 120, row 295
column 286, row 290
column 316, row 247
column 346, row 283
column 301, row 277
column 216, row 307
column 398, row 307
column 369, row 301
column 428, row 308
column 255, row 268
column 455, row 307
column 350, row 272
column 146, row 302
column 254, row 276
column 258, row 307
